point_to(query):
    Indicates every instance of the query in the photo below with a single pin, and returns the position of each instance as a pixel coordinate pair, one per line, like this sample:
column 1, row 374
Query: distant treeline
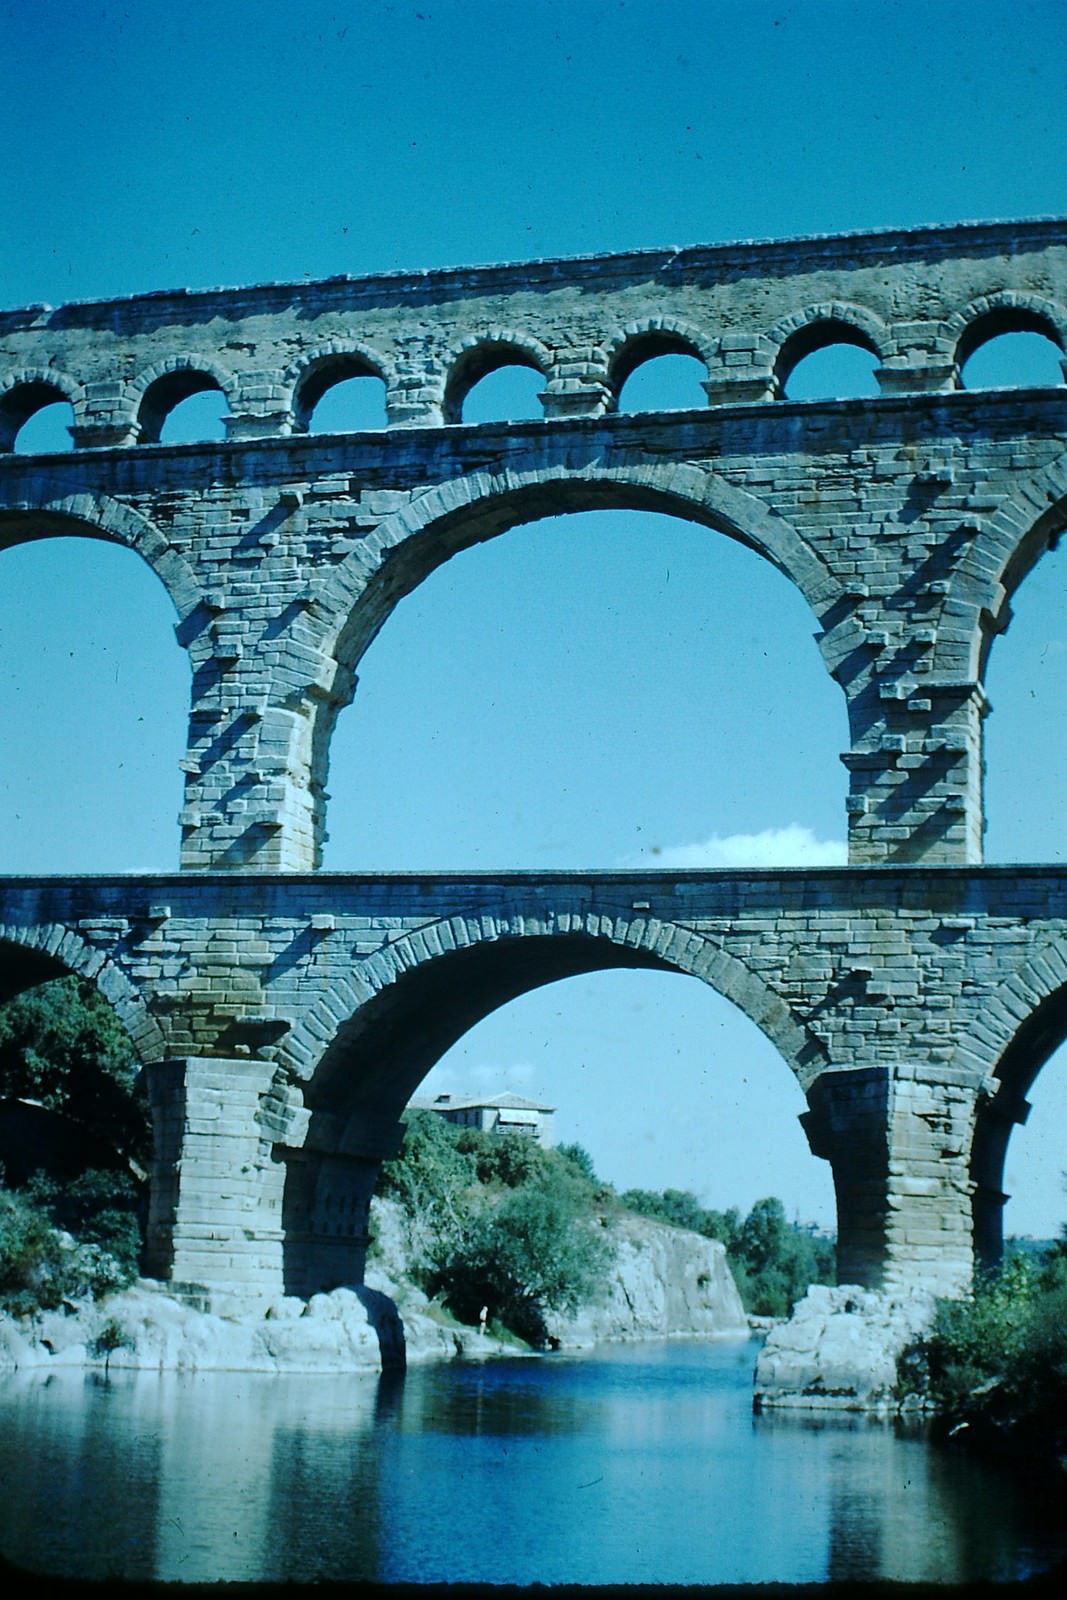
column 772, row 1261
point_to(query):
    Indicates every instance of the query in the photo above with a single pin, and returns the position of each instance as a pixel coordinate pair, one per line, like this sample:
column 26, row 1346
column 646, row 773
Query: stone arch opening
column 95, row 710
column 421, row 1006
column 512, row 396
column 186, row 405
column 665, row 383
column 1010, row 344
column 659, row 370
column 344, row 392
column 540, row 725
column 828, row 358
column 1037, row 1049
column 36, row 417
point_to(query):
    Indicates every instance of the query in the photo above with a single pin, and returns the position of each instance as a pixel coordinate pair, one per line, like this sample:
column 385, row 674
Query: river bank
column 664, row 1283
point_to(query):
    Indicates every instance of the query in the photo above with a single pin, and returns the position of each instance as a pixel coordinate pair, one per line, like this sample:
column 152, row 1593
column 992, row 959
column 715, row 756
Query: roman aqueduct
column 286, row 1015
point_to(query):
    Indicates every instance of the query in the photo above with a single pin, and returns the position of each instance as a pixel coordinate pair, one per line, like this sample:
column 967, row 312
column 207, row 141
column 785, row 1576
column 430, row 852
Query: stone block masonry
column 285, row 1016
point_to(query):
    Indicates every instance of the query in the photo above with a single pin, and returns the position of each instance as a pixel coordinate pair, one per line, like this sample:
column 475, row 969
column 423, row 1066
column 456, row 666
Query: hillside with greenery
column 772, row 1260
column 524, row 1230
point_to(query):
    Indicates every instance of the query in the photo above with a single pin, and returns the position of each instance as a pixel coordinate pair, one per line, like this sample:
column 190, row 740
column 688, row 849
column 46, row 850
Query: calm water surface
column 639, row 1463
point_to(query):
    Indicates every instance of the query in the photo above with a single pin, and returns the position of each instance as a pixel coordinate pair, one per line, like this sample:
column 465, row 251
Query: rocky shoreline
column 665, row 1282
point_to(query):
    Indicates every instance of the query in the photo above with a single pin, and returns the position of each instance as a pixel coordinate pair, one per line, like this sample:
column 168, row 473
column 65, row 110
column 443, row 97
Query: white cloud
column 792, row 846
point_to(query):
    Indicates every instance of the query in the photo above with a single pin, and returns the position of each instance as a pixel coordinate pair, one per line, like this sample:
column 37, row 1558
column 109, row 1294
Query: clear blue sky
column 153, row 146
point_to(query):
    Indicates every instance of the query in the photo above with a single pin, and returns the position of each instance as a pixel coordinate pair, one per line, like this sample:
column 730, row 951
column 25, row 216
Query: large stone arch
column 471, row 965
column 1021, row 1025
column 390, row 563
column 37, row 509
column 375, row 1034
column 1030, row 516
column 44, row 950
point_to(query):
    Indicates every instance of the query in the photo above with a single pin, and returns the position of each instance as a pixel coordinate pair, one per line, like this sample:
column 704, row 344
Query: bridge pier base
column 898, row 1139
column 215, row 1217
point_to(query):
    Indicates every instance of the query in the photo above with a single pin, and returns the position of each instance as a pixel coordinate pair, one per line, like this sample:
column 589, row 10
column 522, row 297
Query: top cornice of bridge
column 610, row 267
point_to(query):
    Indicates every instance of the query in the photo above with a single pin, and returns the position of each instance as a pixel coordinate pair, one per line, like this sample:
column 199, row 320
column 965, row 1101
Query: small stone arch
column 37, row 509
column 27, row 391
column 154, row 393
column 522, row 948
column 52, row 949
column 817, row 326
column 1007, row 311
column 646, row 338
column 479, row 354
column 307, row 379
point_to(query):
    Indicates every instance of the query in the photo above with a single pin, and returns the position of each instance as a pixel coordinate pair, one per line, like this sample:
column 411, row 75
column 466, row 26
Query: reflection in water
column 637, row 1464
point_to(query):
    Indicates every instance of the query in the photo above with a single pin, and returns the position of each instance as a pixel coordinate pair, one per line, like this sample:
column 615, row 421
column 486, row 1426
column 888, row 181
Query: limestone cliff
column 664, row 1282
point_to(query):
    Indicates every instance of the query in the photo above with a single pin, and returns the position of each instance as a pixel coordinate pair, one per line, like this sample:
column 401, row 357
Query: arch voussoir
column 665, row 945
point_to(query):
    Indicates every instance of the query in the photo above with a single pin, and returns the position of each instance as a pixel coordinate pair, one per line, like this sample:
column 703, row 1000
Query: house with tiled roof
column 498, row 1113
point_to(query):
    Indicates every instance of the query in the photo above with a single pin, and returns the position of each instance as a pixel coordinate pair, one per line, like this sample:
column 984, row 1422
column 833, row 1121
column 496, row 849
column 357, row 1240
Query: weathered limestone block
column 839, row 1350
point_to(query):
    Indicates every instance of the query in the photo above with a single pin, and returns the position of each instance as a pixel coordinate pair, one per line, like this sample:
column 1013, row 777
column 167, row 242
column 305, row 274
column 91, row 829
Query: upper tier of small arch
column 920, row 301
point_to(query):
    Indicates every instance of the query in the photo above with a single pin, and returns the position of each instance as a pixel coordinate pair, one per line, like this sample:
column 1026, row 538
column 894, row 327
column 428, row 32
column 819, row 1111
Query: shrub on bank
column 41, row 1266
column 497, row 1221
column 995, row 1365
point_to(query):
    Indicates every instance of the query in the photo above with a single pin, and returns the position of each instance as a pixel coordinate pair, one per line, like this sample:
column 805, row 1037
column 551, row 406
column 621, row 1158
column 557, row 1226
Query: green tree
column 62, row 1046
column 996, row 1363
column 63, row 1049
column 531, row 1254
column 580, row 1159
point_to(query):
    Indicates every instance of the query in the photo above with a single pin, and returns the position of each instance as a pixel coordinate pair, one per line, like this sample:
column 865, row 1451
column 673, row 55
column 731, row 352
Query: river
column 630, row 1464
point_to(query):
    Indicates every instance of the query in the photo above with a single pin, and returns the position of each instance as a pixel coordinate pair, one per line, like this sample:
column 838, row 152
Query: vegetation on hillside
column 773, row 1261
column 67, row 1065
column 502, row 1222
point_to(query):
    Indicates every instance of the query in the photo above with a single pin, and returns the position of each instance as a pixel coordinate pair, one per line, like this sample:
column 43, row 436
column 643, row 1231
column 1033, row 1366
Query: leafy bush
column 62, row 1046
column 530, row 1254
column 510, row 1159
column 34, row 1267
column 996, row 1364
column 580, row 1160
column 40, row 1266
column 496, row 1221
column 101, row 1207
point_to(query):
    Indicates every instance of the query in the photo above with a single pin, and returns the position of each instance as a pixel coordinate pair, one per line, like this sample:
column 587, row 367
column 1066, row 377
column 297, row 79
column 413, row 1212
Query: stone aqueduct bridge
column 285, row 1015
